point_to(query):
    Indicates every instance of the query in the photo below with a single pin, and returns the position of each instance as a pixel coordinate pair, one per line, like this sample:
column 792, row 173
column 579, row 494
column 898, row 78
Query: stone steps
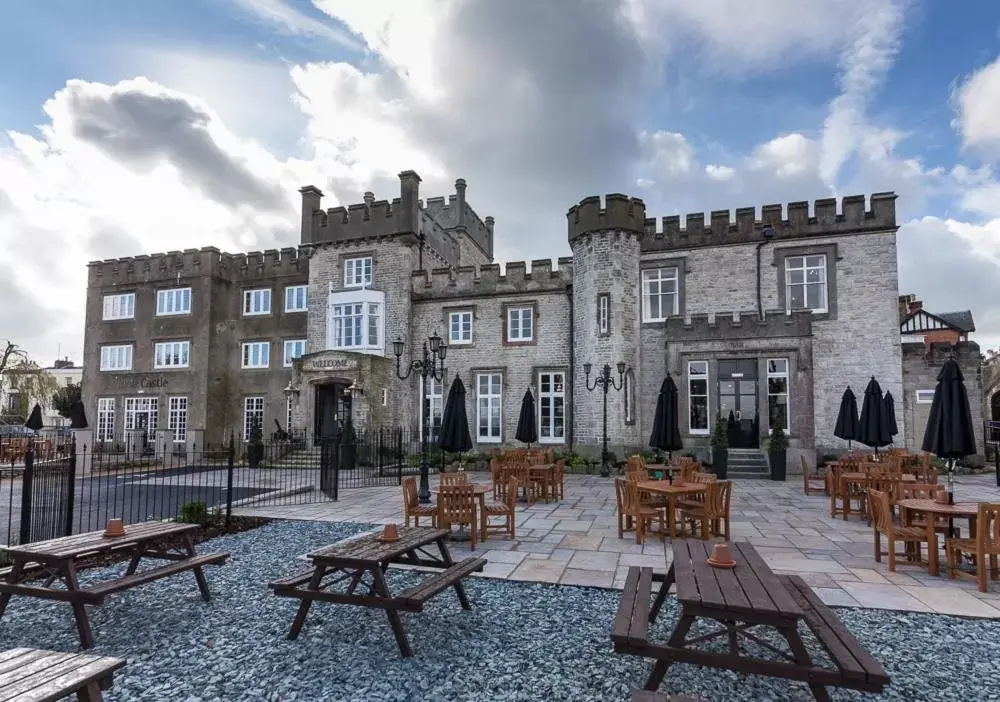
column 748, row 463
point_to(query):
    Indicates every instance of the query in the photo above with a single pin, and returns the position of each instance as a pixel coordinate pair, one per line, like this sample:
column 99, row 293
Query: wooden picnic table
column 59, row 560
column 672, row 491
column 368, row 558
column 740, row 599
column 30, row 675
column 931, row 509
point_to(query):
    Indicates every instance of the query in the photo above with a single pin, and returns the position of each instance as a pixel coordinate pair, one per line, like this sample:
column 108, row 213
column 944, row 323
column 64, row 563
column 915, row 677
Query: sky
column 141, row 127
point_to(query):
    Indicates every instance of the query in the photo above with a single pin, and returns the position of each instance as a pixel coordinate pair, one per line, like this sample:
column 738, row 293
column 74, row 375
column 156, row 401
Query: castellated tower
column 605, row 243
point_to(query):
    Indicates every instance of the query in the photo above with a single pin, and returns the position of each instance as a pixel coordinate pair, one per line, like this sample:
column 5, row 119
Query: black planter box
column 779, row 465
column 720, row 462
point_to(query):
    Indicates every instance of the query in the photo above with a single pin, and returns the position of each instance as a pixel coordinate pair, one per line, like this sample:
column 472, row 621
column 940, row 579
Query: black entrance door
column 738, row 401
column 330, row 410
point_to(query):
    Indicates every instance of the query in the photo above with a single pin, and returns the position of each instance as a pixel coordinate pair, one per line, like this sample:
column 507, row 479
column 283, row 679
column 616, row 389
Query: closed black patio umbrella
column 889, row 411
column 873, row 430
column 35, row 419
column 454, row 435
column 666, row 435
column 78, row 416
column 949, row 432
column 847, row 418
column 527, row 430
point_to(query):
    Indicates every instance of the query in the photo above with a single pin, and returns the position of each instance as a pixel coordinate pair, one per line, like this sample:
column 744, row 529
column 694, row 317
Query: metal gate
column 377, row 458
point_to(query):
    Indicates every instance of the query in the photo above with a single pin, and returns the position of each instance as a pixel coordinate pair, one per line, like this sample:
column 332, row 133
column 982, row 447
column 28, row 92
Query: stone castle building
column 766, row 318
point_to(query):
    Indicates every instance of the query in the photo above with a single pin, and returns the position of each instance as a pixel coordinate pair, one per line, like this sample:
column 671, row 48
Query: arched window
column 628, row 396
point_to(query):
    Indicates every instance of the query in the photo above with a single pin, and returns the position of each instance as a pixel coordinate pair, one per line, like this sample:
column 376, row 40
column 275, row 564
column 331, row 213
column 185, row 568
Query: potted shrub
column 720, row 448
column 777, row 447
column 255, row 445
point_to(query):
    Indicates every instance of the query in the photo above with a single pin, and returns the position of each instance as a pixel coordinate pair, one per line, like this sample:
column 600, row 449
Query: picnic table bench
column 31, row 675
column 58, row 560
column 367, row 558
column 740, row 599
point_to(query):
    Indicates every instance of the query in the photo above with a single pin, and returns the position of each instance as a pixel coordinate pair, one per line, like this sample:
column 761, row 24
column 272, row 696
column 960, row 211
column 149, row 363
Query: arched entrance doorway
column 995, row 406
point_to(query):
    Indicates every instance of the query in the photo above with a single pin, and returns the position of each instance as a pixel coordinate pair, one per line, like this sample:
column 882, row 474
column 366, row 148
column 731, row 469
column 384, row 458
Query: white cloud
column 280, row 14
column 977, row 101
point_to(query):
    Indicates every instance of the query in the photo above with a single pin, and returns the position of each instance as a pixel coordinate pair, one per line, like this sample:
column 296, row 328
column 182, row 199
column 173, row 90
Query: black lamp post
column 427, row 367
column 605, row 382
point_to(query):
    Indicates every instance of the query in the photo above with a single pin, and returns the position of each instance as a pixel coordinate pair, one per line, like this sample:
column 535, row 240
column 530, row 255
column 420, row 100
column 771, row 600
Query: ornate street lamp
column 605, row 382
column 430, row 366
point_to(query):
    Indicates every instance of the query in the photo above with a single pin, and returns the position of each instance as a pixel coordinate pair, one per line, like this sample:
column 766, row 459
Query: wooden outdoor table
column 59, row 560
column 366, row 557
column 931, row 509
column 671, row 490
column 479, row 490
column 740, row 599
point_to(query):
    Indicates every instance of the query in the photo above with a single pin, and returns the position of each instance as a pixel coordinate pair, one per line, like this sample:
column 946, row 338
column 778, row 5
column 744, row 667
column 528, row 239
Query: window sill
column 559, row 440
column 487, row 440
column 254, row 367
column 171, row 368
column 119, row 319
column 256, row 314
column 173, row 314
column 519, row 342
column 698, row 432
column 357, row 286
column 295, row 311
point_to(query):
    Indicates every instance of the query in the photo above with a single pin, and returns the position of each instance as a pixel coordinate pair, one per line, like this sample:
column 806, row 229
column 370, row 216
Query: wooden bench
column 96, row 594
column 631, row 624
column 858, row 667
column 417, row 596
column 30, row 675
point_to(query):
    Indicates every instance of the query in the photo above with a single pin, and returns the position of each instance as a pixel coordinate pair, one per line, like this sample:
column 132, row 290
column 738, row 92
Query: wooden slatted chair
column 506, row 509
column 559, row 480
column 713, row 514
column 883, row 525
column 621, row 501
column 496, row 477
column 642, row 516
column 813, row 482
column 457, row 505
column 413, row 508
column 983, row 547
column 449, row 479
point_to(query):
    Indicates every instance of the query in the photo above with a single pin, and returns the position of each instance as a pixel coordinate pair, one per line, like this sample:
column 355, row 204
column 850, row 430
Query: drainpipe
column 767, row 232
column 572, row 371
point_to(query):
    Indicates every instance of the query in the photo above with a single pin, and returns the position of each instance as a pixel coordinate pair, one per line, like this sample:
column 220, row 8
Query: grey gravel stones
column 521, row 641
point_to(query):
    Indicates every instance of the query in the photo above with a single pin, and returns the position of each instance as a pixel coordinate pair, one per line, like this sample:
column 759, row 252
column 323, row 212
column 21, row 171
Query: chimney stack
column 312, row 198
column 409, row 195
column 460, row 191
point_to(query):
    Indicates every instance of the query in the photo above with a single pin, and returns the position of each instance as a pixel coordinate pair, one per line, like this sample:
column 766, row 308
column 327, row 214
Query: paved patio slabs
column 575, row 542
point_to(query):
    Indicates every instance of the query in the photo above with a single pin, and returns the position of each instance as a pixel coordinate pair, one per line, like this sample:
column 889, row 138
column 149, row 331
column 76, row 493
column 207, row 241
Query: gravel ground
column 521, row 641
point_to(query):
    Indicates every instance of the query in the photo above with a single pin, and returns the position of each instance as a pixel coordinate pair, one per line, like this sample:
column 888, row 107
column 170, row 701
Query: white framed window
column 256, row 354
column 116, row 358
column 628, row 396
column 385, row 397
column 171, row 354
column 142, row 413
column 120, row 306
column 805, row 283
column 357, row 321
column 105, row 419
column 698, row 397
column 924, row 397
column 358, row 272
column 777, row 394
column 253, row 409
column 460, row 327
column 489, row 406
column 659, row 294
column 296, row 298
column 551, row 408
column 288, row 414
column 520, row 324
column 295, row 348
column 173, row 301
column 177, row 418
column 432, row 406
column 604, row 314
column 256, row 302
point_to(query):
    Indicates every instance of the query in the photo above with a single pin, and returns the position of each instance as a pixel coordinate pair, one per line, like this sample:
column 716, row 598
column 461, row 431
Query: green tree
column 24, row 378
column 65, row 398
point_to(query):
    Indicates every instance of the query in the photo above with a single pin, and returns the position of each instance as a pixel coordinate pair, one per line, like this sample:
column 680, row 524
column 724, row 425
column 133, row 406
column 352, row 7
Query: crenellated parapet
column 738, row 325
column 194, row 263
column 486, row 280
column 619, row 213
column 829, row 217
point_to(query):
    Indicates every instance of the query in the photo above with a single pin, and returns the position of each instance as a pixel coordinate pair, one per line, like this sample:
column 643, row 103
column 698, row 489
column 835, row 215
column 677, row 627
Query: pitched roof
column 962, row 320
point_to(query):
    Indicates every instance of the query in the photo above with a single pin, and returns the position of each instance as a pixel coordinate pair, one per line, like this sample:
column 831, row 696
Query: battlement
column 829, row 217
column 470, row 281
column 620, row 212
column 193, row 263
column 739, row 325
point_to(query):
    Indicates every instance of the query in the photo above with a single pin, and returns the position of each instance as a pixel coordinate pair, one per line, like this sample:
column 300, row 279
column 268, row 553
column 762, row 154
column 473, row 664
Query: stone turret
column 606, row 243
